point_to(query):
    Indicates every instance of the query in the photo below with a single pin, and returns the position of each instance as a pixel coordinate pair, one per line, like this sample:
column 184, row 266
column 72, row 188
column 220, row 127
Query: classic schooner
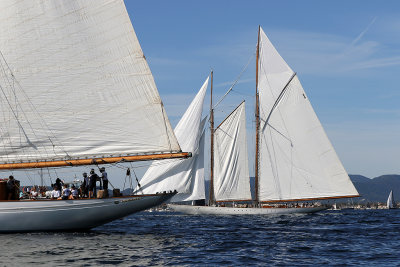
column 294, row 161
column 76, row 90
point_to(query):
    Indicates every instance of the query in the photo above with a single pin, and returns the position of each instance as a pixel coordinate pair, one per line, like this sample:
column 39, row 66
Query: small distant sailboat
column 295, row 162
column 390, row 201
column 76, row 89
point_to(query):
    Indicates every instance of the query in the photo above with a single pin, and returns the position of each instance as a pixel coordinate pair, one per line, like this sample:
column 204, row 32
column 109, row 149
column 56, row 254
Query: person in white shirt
column 33, row 193
column 55, row 194
column 66, row 192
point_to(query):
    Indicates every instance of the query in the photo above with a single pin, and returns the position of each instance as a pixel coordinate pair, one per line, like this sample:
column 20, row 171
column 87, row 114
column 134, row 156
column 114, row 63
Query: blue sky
column 346, row 54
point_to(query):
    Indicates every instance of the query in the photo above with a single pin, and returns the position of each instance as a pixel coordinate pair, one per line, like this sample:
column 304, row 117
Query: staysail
column 296, row 158
column 185, row 176
column 231, row 170
column 75, row 84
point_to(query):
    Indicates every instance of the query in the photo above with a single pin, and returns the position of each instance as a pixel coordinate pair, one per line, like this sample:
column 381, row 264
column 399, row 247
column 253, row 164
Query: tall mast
column 211, row 199
column 257, row 114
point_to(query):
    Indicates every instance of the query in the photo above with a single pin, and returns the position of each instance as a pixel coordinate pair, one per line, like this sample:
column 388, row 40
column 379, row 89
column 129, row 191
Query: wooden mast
column 92, row 161
column 211, row 200
column 257, row 115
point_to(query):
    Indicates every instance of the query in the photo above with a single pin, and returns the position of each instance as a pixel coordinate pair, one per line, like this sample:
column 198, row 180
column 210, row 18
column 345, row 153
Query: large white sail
column 390, row 200
column 231, row 170
column 186, row 176
column 297, row 161
column 75, row 83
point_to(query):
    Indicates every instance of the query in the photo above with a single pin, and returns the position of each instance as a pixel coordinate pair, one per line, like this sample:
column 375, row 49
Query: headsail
column 297, row 160
column 75, row 84
column 231, row 170
column 182, row 175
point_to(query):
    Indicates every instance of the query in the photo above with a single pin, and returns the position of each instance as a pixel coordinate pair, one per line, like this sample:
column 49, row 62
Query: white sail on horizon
column 75, row 84
column 187, row 175
column 297, row 160
column 231, row 170
column 390, row 200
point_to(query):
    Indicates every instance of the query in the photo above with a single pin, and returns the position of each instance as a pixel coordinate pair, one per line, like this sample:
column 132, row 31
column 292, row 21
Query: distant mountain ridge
column 371, row 190
column 376, row 189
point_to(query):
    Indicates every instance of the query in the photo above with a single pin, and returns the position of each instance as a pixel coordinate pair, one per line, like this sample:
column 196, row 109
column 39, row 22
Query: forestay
column 186, row 176
column 297, row 161
column 78, row 84
column 231, row 170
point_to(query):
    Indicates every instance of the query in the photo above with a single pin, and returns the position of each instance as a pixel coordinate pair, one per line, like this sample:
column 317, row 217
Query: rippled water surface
column 349, row 237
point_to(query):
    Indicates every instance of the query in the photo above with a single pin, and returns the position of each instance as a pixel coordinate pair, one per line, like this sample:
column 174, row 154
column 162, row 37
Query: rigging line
column 16, row 118
column 8, row 121
column 272, row 92
column 243, row 94
column 278, row 100
column 166, row 127
column 41, row 121
column 15, row 112
column 235, row 82
column 276, row 130
column 48, row 171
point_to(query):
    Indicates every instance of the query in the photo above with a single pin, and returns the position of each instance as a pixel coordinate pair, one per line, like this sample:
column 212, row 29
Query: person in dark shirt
column 85, row 185
column 59, row 183
column 93, row 177
column 11, row 188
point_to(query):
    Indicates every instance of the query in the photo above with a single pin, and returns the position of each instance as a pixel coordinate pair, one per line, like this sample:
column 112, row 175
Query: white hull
column 206, row 210
column 70, row 215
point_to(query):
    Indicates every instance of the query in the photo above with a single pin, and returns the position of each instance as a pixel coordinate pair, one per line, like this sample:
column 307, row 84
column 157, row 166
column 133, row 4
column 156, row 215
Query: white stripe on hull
column 67, row 215
column 206, row 210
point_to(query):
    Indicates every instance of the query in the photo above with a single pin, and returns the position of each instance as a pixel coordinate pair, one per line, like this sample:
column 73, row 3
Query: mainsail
column 231, row 170
column 185, row 176
column 75, row 84
column 296, row 159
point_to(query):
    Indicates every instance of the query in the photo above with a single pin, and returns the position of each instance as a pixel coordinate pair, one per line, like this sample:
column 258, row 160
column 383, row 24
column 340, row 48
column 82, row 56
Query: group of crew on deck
column 10, row 188
column 86, row 190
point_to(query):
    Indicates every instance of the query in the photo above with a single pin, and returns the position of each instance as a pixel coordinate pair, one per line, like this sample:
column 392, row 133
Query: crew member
column 104, row 178
column 93, row 177
column 11, row 186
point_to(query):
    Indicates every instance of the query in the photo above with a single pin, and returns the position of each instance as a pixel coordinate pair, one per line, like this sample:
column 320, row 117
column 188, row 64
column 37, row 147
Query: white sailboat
column 76, row 90
column 390, row 201
column 295, row 162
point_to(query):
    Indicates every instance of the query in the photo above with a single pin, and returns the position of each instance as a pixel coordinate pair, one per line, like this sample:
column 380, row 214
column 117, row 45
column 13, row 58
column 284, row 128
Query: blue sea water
column 335, row 238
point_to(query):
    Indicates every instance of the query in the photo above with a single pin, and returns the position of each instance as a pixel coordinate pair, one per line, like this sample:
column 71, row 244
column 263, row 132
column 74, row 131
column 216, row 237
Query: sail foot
column 93, row 161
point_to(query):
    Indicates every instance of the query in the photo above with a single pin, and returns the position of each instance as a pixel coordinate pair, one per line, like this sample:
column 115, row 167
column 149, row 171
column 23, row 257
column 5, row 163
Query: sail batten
column 79, row 83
